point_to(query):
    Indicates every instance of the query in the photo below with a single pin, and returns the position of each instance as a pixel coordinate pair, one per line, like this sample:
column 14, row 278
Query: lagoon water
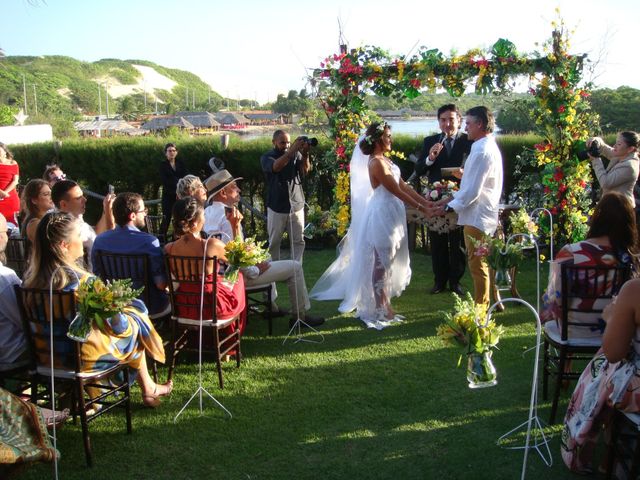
column 417, row 127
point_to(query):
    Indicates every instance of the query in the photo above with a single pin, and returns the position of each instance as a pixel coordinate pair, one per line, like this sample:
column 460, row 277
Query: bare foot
column 153, row 399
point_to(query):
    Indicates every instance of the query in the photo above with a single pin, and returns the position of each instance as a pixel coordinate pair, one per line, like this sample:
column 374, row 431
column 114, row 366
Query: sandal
column 153, row 400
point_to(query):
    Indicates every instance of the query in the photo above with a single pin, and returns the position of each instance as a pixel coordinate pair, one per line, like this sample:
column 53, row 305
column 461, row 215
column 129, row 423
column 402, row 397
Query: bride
column 373, row 261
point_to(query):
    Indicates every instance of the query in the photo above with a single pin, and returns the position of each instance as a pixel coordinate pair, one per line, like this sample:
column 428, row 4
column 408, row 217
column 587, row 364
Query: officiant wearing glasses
column 445, row 150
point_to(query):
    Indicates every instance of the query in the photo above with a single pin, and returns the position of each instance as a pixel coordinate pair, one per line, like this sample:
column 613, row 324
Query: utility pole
column 24, row 90
column 193, row 98
column 107, row 94
column 100, row 99
column 35, row 99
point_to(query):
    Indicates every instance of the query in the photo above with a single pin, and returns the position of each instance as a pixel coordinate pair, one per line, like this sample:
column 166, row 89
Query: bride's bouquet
column 439, row 190
column 243, row 253
column 96, row 302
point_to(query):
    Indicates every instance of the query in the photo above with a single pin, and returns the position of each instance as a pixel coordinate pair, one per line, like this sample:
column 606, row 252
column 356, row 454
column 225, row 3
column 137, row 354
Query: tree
column 6, row 115
column 619, row 109
column 515, row 116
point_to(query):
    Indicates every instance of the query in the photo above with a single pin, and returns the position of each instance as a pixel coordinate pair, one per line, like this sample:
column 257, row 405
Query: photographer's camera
column 593, row 150
column 312, row 142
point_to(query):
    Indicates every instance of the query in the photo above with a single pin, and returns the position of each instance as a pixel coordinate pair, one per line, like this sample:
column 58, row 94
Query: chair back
column 120, row 266
column 34, row 305
column 153, row 225
column 17, row 253
column 586, row 291
column 186, row 286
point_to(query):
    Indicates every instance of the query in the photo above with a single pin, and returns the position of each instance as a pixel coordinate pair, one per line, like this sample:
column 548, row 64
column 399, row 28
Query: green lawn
column 363, row 404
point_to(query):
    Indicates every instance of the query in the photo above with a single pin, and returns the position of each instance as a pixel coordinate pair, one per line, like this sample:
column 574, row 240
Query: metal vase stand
column 535, row 436
column 201, row 390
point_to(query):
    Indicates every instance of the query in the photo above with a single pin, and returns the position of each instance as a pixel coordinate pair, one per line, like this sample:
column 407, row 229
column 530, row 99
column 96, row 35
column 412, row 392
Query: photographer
column 621, row 173
column 283, row 168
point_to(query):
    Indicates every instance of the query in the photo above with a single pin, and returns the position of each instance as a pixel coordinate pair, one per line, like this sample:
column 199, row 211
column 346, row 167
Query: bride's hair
column 372, row 137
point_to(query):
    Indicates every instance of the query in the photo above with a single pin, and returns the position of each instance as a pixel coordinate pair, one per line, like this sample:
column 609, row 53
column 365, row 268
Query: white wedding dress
column 376, row 243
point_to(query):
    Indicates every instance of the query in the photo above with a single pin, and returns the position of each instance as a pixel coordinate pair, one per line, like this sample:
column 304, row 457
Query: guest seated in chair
column 610, row 381
column 191, row 186
column 35, row 202
column 129, row 214
column 13, row 344
column 188, row 219
column 611, row 240
column 224, row 218
column 123, row 340
column 68, row 197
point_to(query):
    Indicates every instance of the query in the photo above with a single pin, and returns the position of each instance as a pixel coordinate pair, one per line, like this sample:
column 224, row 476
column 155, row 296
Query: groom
column 477, row 201
column 447, row 149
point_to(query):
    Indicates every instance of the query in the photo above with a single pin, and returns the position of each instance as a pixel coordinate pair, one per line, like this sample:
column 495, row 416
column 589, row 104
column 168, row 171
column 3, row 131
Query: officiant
column 441, row 157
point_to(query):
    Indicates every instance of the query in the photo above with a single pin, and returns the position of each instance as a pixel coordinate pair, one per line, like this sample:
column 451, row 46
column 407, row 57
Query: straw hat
column 218, row 181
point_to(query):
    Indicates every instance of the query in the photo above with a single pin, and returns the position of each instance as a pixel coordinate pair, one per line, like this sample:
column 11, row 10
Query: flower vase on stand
column 503, row 278
column 481, row 372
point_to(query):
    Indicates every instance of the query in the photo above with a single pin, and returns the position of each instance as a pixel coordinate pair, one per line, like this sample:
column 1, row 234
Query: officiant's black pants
column 448, row 256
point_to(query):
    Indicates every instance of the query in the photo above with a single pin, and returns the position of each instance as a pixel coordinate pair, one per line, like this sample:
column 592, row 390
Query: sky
column 255, row 49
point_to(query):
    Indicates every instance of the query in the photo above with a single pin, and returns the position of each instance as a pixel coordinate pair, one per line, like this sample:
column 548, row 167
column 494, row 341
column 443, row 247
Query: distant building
column 204, row 123
column 267, row 118
column 232, row 120
column 106, row 128
column 162, row 123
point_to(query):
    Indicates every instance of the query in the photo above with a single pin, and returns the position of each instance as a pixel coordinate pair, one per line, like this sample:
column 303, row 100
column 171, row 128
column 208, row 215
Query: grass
column 363, row 404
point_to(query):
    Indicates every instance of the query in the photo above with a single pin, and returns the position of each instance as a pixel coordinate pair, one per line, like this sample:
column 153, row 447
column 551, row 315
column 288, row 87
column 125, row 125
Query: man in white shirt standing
column 222, row 217
column 477, row 201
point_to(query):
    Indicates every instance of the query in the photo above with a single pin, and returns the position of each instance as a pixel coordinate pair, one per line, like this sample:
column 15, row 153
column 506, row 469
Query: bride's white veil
column 336, row 280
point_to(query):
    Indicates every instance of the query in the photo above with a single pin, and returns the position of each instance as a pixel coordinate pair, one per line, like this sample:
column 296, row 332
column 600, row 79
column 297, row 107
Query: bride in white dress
column 373, row 261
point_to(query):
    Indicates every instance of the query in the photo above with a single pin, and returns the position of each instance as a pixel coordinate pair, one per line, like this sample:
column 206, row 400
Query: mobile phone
column 228, row 210
column 111, row 189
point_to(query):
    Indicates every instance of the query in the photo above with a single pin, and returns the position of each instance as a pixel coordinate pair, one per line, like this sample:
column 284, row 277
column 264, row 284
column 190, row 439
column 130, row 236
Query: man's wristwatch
column 448, row 209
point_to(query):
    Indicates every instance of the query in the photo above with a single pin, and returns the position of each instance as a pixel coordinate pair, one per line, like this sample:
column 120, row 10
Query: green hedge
column 131, row 164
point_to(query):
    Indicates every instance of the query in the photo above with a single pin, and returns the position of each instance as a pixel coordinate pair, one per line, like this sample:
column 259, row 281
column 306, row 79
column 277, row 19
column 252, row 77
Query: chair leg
column 612, row 450
column 154, row 368
column 127, row 404
column 559, row 378
column 238, row 352
column 545, row 372
column 175, row 350
column 635, row 464
column 269, row 310
column 216, row 341
column 83, row 422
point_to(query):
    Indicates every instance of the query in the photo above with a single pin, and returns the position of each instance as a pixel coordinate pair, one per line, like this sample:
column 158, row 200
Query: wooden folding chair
column 586, row 291
column 112, row 384
column 17, row 254
column 185, row 290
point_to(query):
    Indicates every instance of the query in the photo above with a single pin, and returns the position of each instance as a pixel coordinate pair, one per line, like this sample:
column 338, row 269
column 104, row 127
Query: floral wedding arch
column 562, row 112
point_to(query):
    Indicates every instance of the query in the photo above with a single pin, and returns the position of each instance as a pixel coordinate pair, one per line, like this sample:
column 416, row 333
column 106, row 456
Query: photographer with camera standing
column 284, row 166
column 621, row 173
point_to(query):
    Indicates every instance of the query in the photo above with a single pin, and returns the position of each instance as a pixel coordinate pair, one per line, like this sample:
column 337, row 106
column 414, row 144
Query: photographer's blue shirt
column 283, row 185
column 131, row 241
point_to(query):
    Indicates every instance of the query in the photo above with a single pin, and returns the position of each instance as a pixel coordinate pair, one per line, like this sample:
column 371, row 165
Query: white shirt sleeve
column 215, row 221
